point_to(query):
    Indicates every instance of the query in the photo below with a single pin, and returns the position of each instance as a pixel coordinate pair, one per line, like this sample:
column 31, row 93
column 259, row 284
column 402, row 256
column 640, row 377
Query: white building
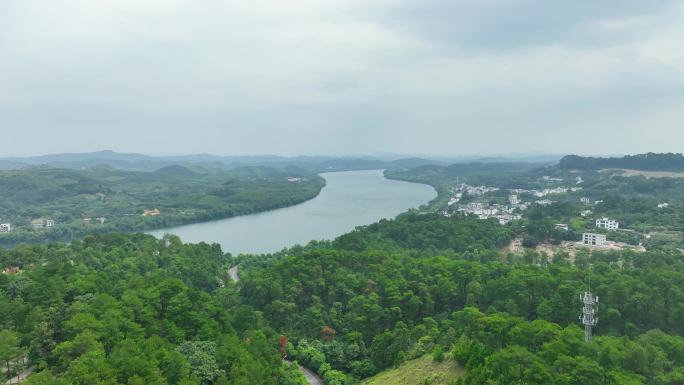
column 663, row 205
column 609, row 224
column 585, row 200
column 593, row 239
column 562, row 226
column 49, row 222
column 513, row 199
column 5, row 227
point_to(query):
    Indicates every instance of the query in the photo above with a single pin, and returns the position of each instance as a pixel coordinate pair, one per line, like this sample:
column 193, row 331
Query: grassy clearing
column 419, row 372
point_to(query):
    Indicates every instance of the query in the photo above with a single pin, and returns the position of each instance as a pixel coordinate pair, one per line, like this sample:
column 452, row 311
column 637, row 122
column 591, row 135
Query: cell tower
column 588, row 317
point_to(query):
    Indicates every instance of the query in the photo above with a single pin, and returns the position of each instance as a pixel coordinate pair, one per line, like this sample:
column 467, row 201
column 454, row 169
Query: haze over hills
column 142, row 162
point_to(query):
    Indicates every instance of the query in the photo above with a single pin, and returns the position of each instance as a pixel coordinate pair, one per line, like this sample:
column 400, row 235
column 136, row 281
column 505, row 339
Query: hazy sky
column 341, row 76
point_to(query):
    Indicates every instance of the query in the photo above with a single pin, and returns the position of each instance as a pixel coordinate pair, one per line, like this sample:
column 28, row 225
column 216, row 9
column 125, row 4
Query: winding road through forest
column 311, row 377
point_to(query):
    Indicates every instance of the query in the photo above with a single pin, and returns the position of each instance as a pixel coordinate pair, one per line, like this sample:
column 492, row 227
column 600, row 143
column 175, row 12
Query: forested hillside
column 647, row 162
column 130, row 309
column 352, row 307
column 100, row 200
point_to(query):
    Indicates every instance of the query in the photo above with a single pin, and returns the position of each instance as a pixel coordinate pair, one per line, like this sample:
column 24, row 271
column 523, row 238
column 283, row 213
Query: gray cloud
column 341, row 76
column 514, row 24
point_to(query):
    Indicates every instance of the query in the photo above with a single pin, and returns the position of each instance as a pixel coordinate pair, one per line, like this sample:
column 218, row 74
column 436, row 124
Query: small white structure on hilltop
column 608, row 224
column 562, row 226
column 593, row 239
column 5, row 227
column 663, row 205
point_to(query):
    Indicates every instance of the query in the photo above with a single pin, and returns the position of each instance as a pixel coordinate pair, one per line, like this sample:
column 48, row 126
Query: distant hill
column 79, row 157
column 644, row 162
column 9, row 165
column 140, row 162
column 176, row 170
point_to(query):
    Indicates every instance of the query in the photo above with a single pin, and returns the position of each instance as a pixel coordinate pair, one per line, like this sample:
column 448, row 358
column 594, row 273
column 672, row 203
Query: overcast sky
column 341, row 76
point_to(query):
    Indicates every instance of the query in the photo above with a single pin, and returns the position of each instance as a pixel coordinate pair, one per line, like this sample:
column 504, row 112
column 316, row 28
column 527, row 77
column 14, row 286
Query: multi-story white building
column 608, row 224
column 513, row 199
column 593, row 239
column 5, row 227
column 49, row 222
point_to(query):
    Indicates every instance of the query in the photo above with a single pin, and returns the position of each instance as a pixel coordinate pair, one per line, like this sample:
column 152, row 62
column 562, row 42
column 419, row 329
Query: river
column 349, row 199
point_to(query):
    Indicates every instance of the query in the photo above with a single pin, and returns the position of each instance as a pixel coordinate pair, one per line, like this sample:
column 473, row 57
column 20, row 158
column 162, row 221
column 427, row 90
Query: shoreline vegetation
column 49, row 204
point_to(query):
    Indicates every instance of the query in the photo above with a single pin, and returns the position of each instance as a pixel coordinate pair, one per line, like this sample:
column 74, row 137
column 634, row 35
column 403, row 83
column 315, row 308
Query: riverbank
column 102, row 203
column 349, row 199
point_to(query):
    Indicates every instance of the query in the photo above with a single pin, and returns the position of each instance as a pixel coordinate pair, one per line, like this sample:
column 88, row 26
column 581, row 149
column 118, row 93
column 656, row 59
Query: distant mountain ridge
column 643, row 162
column 141, row 162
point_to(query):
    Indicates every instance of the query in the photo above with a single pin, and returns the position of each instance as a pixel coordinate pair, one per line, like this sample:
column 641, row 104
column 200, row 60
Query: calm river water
column 349, row 199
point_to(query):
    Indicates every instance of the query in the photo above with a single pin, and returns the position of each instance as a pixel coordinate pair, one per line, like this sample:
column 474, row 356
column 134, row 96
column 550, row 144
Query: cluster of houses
column 578, row 180
column 547, row 191
column 599, row 240
column 37, row 224
column 470, row 190
column 503, row 213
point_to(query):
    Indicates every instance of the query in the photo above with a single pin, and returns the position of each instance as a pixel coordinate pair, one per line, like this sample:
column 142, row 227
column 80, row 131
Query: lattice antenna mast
column 588, row 317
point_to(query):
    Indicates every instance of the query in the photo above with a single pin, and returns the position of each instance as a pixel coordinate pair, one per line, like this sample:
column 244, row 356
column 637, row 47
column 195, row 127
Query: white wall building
column 5, row 227
column 592, row 239
column 513, row 199
column 609, row 224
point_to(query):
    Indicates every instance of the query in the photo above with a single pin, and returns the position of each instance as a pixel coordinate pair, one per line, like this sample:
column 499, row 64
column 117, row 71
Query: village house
column 11, row 270
column 593, row 239
column 42, row 223
column 513, row 199
column 5, row 227
column 608, row 224
column 151, row 213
